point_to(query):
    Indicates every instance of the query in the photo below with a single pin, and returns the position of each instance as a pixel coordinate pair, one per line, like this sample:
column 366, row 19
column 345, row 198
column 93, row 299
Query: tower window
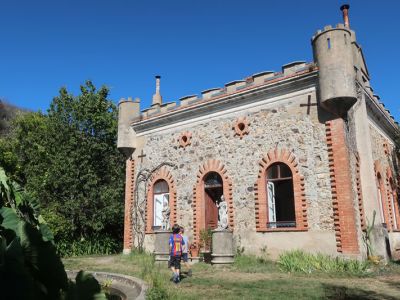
column 345, row 39
column 329, row 43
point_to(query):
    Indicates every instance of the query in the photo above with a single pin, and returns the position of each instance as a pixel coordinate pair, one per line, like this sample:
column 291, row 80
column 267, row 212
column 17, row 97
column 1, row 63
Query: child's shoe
column 176, row 279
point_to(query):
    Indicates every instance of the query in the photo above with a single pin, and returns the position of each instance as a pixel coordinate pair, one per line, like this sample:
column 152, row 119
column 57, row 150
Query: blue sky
column 193, row 45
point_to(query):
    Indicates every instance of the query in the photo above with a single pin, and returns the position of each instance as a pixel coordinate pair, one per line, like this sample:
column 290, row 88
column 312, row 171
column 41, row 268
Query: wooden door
column 211, row 212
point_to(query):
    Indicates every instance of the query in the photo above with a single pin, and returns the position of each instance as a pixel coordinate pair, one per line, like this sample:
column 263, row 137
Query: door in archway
column 213, row 190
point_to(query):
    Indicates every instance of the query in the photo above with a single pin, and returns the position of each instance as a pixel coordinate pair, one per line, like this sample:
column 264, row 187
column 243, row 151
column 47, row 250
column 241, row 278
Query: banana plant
column 29, row 265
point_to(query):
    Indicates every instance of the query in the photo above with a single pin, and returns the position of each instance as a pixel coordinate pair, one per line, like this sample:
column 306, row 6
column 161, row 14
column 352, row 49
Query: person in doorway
column 185, row 251
column 176, row 243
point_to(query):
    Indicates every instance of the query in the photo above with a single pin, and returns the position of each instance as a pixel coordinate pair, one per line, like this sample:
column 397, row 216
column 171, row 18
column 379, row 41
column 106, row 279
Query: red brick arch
column 261, row 213
column 161, row 174
column 198, row 196
column 381, row 186
column 393, row 209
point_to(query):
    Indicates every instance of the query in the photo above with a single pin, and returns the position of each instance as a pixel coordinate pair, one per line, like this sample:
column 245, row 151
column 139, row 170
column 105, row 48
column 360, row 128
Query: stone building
column 303, row 157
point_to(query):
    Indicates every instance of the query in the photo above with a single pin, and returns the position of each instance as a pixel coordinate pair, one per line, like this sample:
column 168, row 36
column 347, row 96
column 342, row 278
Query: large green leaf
column 87, row 287
column 4, row 188
column 15, row 256
column 17, row 279
column 3, row 246
column 44, row 263
column 10, row 218
column 45, row 230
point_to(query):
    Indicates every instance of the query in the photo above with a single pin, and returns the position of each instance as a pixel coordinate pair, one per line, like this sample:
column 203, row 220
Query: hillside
column 7, row 113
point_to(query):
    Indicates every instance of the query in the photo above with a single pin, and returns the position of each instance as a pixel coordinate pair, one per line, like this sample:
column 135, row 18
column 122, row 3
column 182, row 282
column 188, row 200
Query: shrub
column 301, row 262
column 93, row 246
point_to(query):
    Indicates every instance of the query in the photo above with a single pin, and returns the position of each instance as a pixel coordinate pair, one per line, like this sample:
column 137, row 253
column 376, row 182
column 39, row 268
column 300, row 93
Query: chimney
column 345, row 9
column 157, row 99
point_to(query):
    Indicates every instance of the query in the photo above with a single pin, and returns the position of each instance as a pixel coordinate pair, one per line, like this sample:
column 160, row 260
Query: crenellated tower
column 333, row 51
column 128, row 110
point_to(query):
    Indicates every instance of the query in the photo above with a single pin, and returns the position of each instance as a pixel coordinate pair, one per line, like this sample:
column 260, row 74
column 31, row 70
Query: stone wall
column 383, row 155
column 284, row 125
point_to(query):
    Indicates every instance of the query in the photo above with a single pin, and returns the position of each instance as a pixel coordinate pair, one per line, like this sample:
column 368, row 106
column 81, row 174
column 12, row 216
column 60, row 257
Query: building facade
column 304, row 158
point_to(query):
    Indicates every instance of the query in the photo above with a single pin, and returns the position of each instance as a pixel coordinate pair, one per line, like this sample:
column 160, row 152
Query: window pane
column 285, row 171
column 160, row 186
column 212, row 179
column 158, row 206
column 278, row 170
column 272, row 171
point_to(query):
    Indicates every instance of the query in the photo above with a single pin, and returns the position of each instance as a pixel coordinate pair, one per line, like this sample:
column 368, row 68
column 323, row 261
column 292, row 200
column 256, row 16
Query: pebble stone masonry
column 321, row 119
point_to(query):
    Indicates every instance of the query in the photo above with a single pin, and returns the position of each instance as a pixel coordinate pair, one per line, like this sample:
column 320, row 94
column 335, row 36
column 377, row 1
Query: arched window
column 280, row 196
column 380, row 198
column 160, row 199
column 393, row 202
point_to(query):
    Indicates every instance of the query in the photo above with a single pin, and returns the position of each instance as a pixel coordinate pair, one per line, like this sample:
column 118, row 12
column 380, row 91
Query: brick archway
column 383, row 201
column 391, row 192
column 161, row 174
column 261, row 212
column 198, row 196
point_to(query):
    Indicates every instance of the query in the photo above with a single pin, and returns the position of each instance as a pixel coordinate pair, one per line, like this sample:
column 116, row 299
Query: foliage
column 7, row 113
column 89, row 246
column 68, row 159
column 205, row 238
column 29, row 265
column 8, row 158
column 301, row 262
column 151, row 274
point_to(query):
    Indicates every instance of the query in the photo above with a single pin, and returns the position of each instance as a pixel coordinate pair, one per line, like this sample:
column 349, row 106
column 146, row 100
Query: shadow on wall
column 335, row 292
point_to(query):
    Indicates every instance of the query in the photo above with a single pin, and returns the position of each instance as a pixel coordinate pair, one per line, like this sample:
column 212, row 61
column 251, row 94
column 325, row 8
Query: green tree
column 69, row 161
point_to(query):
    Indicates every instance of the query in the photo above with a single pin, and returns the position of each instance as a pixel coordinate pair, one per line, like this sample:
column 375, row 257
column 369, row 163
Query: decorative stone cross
column 141, row 156
column 309, row 104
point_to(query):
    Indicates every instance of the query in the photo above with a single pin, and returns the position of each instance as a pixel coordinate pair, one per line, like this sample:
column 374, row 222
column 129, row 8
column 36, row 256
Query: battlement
column 329, row 28
column 289, row 70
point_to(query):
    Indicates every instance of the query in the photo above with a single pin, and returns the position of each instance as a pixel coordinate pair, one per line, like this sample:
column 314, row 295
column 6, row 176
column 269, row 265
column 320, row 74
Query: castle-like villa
column 304, row 158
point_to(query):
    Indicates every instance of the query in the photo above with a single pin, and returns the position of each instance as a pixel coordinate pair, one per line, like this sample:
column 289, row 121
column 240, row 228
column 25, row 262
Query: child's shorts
column 185, row 257
column 174, row 261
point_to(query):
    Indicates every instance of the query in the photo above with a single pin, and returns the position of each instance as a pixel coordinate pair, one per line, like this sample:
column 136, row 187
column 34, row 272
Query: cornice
column 379, row 115
column 236, row 100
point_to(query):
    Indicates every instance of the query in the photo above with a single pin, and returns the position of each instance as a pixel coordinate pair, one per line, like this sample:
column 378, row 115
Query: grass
column 251, row 277
column 299, row 261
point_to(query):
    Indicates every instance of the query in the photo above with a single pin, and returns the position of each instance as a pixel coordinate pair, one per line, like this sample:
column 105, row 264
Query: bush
column 301, row 262
column 94, row 246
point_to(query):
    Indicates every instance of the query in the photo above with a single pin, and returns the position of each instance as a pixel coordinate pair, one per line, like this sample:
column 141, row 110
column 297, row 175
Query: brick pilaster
column 342, row 193
column 129, row 198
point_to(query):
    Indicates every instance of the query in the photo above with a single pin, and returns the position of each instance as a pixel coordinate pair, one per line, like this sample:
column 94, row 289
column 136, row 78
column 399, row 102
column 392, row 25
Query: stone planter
column 161, row 245
column 222, row 247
